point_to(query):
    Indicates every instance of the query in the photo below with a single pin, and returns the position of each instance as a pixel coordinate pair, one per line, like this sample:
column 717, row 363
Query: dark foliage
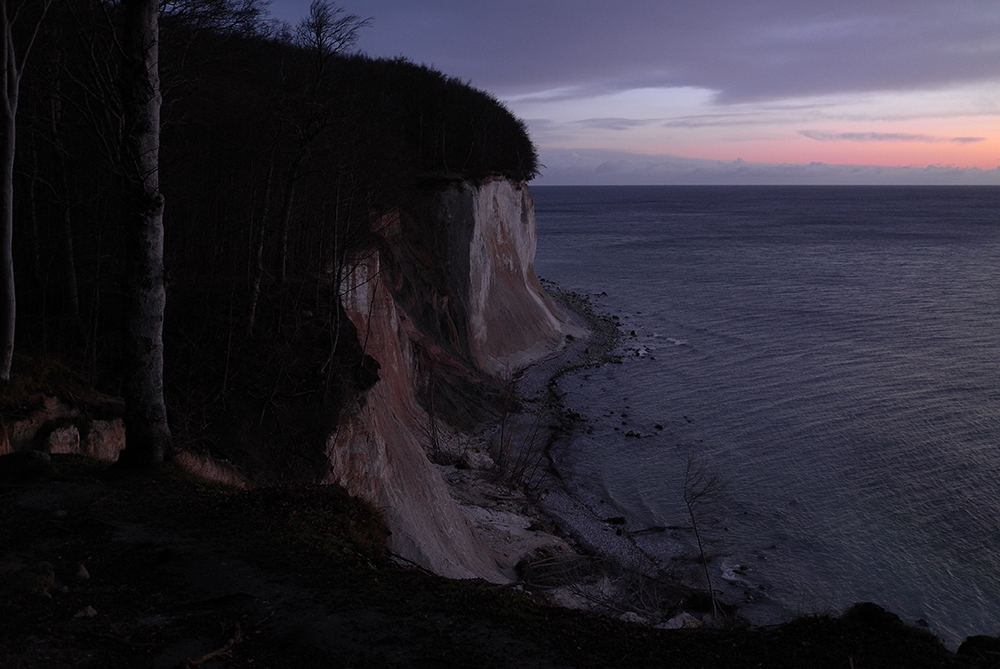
column 442, row 124
column 276, row 164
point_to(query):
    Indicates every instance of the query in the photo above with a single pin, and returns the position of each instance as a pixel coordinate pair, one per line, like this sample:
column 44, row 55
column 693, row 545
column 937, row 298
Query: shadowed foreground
column 178, row 573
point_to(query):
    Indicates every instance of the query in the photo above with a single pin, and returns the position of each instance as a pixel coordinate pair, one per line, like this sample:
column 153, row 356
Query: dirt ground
column 101, row 569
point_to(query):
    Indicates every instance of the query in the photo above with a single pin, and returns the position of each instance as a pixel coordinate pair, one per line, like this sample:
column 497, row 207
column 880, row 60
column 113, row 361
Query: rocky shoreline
column 505, row 482
column 565, row 548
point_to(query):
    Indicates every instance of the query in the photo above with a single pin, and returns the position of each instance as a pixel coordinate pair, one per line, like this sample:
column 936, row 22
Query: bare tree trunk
column 10, row 82
column 286, row 224
column 66, row 231
column 147, row 432
column 8, row 302
column 286, row 211
column 8, row 299
column 36, row 238
column 258, row 257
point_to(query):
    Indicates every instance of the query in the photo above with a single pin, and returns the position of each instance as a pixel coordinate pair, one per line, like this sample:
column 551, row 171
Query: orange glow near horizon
column 958, row 127
column 983, row 155
column 802, row 151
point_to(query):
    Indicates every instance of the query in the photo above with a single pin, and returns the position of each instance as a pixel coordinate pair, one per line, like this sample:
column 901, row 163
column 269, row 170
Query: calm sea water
column 832, row 354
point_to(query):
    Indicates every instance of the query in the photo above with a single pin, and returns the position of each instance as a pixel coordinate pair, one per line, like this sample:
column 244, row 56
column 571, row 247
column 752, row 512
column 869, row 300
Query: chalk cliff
column 448, row 304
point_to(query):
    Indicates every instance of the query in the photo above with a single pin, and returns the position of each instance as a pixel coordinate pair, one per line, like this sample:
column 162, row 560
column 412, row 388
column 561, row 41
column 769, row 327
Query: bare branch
column 701, row 487
column 244, row 17
column 329, row 30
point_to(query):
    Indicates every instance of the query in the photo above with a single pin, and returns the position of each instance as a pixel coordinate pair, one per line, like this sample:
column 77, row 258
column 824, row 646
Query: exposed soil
column 179, row 573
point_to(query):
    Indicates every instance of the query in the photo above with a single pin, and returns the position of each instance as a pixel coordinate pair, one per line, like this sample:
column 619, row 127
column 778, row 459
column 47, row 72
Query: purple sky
column 890, row 88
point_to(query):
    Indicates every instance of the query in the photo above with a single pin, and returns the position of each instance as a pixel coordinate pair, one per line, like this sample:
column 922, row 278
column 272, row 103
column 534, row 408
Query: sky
column 721, row 91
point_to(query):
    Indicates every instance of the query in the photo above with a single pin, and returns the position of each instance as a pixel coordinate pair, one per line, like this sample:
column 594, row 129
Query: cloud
column 598, row 167
column 884, row 137
column 771, row 49
column 865, row 137
column 615, row 123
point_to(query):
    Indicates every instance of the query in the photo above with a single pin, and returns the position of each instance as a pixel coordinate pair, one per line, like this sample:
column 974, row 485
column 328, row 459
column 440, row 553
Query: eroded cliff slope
column 447, row 306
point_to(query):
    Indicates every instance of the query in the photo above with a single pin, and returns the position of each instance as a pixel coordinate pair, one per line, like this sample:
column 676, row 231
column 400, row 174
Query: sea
column 830, row 356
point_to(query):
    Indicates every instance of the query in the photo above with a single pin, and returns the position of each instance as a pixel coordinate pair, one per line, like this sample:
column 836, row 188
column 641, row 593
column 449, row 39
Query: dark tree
column 326, row 32
column 12, row 66
column 279, row 155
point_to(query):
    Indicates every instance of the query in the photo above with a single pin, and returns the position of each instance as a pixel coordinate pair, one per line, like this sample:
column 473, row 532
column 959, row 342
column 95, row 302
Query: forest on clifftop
column 280, row 148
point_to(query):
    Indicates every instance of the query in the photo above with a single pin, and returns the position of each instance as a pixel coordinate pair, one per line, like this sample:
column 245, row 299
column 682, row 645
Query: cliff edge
column 448, row 304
